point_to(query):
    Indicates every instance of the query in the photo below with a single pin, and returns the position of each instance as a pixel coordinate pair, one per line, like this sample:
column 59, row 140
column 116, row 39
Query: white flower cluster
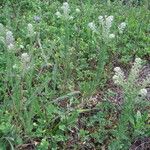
column 66, row 11
column 25, row 59
column 121, row 27
column 119, row 76
column 131, row 81
column 92, row 26
column 66, row 8
column 25, row 63
column 134, row 73
column 111, row 36
column 106, row 23
column 9, row 40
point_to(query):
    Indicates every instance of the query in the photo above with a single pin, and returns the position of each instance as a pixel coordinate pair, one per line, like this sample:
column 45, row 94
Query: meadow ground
column 74, row 75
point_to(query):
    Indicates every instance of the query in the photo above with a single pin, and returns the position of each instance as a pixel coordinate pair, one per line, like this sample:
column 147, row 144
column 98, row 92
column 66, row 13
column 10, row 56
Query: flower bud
column 77, row 10
column 143, row 92
column 111, row 36
column 58, row 14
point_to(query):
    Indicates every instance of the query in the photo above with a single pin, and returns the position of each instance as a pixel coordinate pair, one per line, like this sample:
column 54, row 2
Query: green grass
column 47, row 98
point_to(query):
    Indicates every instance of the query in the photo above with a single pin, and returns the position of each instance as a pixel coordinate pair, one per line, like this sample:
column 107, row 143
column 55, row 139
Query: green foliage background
column 51, row 104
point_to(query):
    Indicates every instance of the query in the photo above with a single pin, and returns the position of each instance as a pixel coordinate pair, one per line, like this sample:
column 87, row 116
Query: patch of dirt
column 141, row 144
